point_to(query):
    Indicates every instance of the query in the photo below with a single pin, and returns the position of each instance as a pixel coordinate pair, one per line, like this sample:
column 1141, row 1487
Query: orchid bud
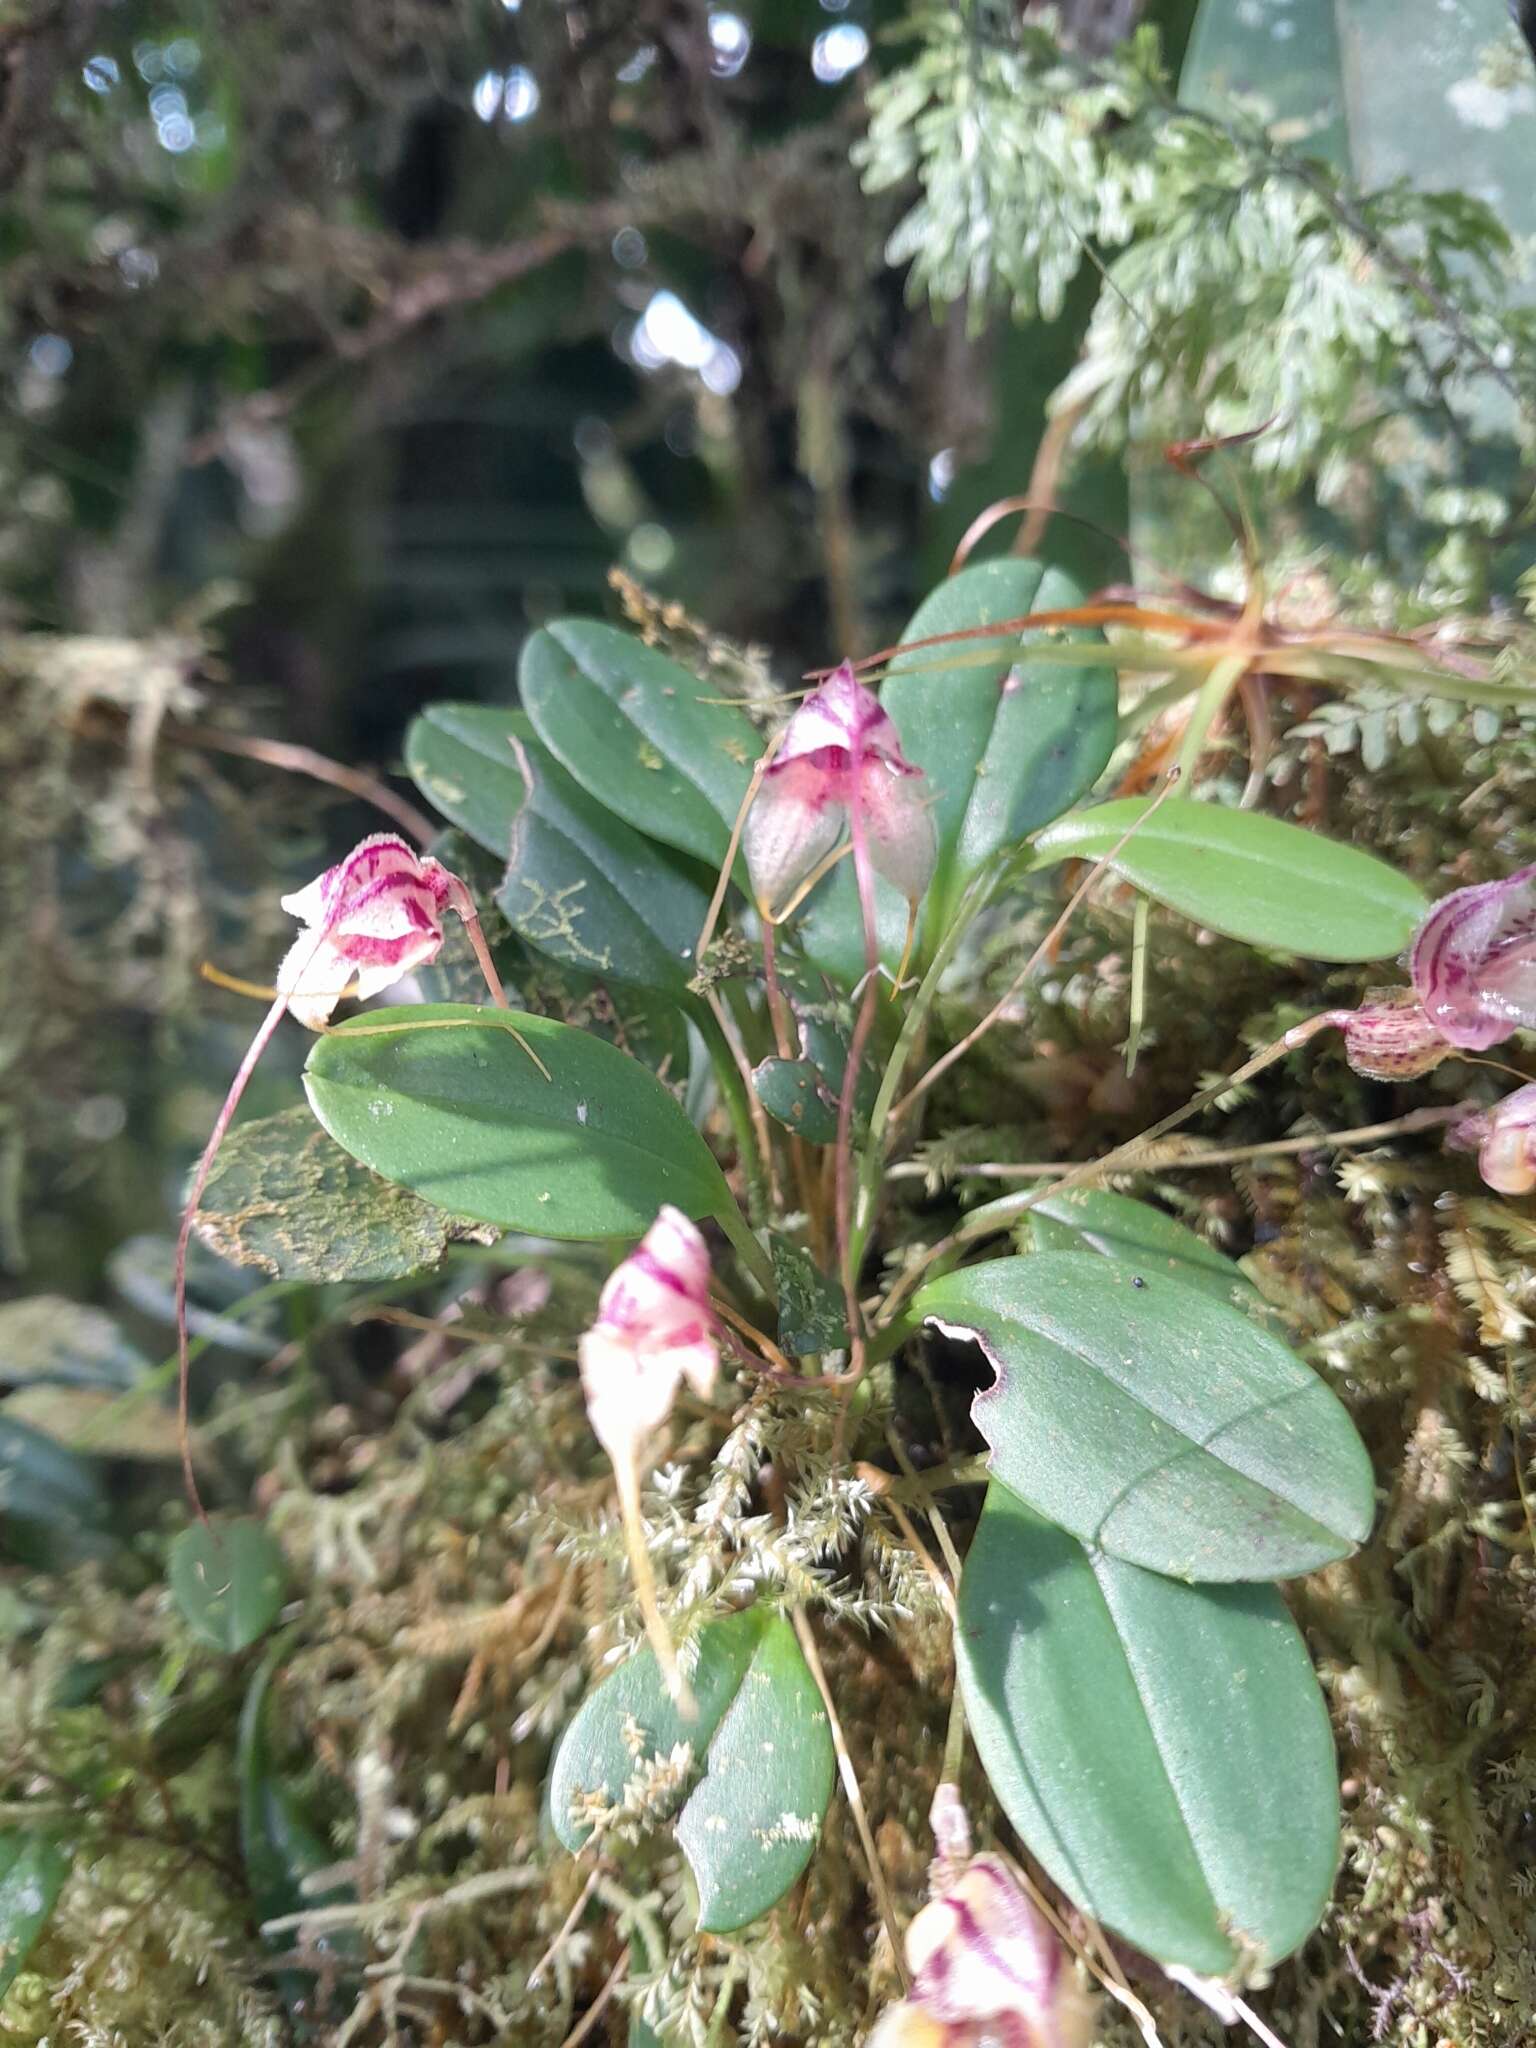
column 654, row 1329
column 985, row 1969
column 840, row 753
column 1389, row 1038
column 899, row 829
column 794, row 823
column 372, row 918
column 1473, row 963
column 1504, row 1139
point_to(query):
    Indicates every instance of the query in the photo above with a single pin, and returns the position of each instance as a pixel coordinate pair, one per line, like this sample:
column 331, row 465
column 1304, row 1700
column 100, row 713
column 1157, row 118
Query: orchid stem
column 748, row 1122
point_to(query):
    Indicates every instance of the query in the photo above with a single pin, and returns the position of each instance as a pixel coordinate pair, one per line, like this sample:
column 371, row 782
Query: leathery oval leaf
column 1248, row 876
column 461, row 758
column 759, row 1763
column 586, row 890
column 443, row 1098
column 1005, row 750
column 1163, row 1749
column 229, row 1580
column 641, row 733
column 1155, row 1422
column 1099, row 1220
column 33, row 1871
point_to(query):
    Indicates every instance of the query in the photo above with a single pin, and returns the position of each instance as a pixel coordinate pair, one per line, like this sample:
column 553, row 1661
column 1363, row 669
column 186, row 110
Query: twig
column 319, row 767
column 599, row 2005
column 1313, row 1141
column 855, row 1797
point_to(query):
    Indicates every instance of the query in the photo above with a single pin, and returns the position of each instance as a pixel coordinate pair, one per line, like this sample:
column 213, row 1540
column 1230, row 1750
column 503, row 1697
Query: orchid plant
column 799, row 894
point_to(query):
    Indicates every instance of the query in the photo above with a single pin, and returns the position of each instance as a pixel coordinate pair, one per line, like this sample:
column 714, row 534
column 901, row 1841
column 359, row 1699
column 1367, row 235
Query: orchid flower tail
column 237, row 1087
column 627, row 1476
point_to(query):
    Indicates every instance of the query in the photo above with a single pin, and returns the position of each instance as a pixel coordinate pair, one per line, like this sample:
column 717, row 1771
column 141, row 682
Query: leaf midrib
column 1188, row 1442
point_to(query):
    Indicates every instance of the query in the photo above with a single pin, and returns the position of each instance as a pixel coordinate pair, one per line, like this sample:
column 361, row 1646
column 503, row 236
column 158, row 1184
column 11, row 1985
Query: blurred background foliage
column 339, row 345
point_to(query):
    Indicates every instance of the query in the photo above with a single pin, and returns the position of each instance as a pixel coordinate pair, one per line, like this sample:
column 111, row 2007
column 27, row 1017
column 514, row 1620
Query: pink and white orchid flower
column 1504, row 1139
column 839, row 764
column 1472, row 965
column 374, row 917
column 987, row 1972
column 654, row 1329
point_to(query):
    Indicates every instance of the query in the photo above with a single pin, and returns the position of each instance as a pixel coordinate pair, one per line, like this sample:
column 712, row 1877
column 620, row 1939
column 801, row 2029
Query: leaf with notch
column 1162, row 1749
column 643, row 735
column 1155, row 1422
column 760, row 1736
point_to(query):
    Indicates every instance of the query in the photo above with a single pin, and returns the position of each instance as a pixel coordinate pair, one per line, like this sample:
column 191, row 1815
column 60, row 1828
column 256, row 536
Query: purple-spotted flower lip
column 1472, row 974
column 1473, row 961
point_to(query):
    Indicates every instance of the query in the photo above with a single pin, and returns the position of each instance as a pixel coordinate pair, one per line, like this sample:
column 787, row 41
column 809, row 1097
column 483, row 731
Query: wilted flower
column 1473, row 962
column 987, row 1972
column 1389, row 1038
column 840, row 764
column 1473, row 969
column 1504, row 1139
column 371, row 919
column 654, row 1329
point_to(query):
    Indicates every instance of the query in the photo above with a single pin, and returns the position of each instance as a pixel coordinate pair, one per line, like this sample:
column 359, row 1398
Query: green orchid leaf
column 1251, row 877
column 459, row 1112
column 282, row 1848
column 46, row 1339
column 581, row 886
column 1004, row 751
column 1097, row 1219
column 1162, row 1749
column 461, row 759
column 1154, row 1422
column 33, row 1871
column 812, row 1317
column 793, row 1094
column 229, row 1582
column 284, row 1196
column 590, row 893
column 761, row 1756
column 53, row 1507
column 640, row 733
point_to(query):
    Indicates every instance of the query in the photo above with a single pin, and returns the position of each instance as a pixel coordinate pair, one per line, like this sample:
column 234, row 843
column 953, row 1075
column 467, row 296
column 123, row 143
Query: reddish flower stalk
column 374, row 917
